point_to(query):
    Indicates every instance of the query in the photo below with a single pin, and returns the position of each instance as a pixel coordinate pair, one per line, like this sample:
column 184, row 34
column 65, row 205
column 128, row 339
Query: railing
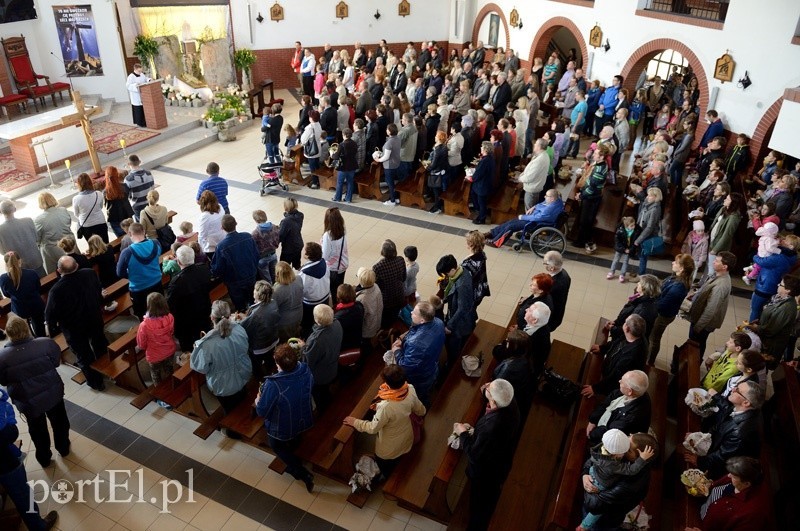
column 703, row 9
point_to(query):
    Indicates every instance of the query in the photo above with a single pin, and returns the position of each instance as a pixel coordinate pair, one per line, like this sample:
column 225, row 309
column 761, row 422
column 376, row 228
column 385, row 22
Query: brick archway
column 482, row 14
column 642, row 56
column 765, row 127
column 546, row 32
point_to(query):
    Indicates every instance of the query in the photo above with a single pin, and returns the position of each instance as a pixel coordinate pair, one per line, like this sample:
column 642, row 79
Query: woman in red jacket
column 155, row 337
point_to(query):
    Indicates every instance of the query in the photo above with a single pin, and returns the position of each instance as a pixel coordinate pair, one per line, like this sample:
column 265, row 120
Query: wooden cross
column 82, row 116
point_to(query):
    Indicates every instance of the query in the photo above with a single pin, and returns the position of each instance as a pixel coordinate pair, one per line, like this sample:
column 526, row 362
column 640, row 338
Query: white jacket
column 535, row 173
column 209, row 232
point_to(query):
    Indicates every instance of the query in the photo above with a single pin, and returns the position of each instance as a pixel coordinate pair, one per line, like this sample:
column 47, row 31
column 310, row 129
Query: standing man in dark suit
column 501, row 97
column 627, row 409
column 75, row 304
column 400, row 79
column 490, row 451
column 553, row 264
column 188, row 298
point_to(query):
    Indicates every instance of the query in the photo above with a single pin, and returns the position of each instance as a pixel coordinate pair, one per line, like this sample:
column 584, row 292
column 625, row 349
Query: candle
column 67, row 163
column 122, row 143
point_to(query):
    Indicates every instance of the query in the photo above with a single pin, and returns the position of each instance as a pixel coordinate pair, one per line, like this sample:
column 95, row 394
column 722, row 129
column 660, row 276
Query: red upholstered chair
column 26, row 79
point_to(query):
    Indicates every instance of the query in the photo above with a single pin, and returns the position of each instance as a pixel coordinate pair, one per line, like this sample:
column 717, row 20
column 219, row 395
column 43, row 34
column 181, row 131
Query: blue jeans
column 116, row 229
column 513, row 225
column 266, row 267
column 16, row 485
column 757, row 303
column 617, row 257
column 313, row 165
column 403, row 171
column 348, row 177
column 272, row 150
column 391, row 176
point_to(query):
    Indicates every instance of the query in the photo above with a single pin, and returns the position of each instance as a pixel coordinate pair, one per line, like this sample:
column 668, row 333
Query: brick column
column 153, row 102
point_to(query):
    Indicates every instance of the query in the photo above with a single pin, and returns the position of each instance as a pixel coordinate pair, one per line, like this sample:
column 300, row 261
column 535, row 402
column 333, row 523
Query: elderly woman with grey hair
column 261, row 324
column 643, row 302
column 490, row 450
column 51, row 225
column 222, row 356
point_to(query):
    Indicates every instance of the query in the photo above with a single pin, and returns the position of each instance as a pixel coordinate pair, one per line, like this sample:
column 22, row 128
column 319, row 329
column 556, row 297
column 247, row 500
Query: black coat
column 351, row 319
column 613, row 503
column 500, row 99
column 730, row 436
column 328, row 121
column 619, row 357
column 539, row 348
column 290, row 236
column 348, row 153
column 646, row 307
column 75, row 303
column 623, row 242
column 517, row 371
column 28, row 370
column 633, row 417
column 189, row 302
column 527, row 303
column 490, row 449
column 559, row 293
column 274, row 129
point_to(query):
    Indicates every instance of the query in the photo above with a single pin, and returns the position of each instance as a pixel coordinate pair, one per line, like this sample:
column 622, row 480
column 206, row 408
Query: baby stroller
column 270, row 171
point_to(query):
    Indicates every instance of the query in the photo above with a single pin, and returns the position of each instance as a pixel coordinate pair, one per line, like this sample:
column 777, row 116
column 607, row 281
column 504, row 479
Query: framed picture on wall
column 342, row 11
column 276, row 12
column 494, row 29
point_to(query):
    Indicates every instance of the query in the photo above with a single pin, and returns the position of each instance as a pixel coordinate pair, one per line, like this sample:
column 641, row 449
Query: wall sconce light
column 607, row 46
column 520, row 24
column 259, row 18
column 745, row 81
column 377, row 14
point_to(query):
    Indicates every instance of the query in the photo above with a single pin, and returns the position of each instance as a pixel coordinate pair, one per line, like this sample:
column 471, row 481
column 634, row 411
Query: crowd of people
column 291, row 315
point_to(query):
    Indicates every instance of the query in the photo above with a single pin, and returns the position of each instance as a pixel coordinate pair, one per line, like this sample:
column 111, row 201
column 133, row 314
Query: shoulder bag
column 165, row 235
column 80, row 232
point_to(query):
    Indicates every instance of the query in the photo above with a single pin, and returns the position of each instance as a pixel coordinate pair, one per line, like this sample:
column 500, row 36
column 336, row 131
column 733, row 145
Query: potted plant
column 146, row 49
column 243, row 59
column 221, row 117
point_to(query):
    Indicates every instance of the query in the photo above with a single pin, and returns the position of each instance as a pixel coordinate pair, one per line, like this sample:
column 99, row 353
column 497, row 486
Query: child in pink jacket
column 155, row 337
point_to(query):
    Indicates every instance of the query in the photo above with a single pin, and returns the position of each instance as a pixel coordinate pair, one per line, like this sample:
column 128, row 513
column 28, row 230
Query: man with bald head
column 75, row 306
column 627, row 409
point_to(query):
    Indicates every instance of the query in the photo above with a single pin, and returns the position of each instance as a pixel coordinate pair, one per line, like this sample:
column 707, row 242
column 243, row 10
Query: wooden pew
column 456, row 198
column 369, row 182
column 421, row 481
column 525, row 495
column 687, row 509
column 326, row 176
column 410, row 190
column 292, row 170
column 658, row 424
column 785, row 437
column 569, row 494
column 505, row 204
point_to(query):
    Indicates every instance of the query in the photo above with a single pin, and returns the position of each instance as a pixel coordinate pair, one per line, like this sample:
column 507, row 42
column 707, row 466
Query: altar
column 68, row 141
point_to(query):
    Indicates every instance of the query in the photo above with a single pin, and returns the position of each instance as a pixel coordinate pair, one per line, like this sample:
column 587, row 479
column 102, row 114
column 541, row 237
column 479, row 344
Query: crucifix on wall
column 81, row 117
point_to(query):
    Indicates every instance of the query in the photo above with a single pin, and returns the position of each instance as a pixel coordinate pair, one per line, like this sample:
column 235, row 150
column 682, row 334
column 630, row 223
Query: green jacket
column 776, row 324
column 723, row 238
column 721, row 371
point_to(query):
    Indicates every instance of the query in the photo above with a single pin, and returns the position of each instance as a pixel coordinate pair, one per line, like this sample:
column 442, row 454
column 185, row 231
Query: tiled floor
column 233, row 488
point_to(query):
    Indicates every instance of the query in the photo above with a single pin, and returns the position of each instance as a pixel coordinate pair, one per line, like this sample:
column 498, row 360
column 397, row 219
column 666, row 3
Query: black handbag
column 558, row 389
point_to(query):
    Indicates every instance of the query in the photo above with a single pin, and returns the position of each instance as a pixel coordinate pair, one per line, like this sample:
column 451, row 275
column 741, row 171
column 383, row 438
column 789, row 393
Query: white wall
column 313, row 22
column 757, row 34
column 41, row 38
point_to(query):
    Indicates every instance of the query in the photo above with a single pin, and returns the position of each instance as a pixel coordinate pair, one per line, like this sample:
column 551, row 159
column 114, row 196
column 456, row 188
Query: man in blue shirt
column 608, row 101
column 236, row 263
column 715, row 128
column 216, row 184
column 545, row 213
column 139, row 264
column 418, row 352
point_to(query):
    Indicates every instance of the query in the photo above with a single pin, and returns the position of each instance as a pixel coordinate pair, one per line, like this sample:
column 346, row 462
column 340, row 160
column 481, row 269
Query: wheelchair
column 542, row 238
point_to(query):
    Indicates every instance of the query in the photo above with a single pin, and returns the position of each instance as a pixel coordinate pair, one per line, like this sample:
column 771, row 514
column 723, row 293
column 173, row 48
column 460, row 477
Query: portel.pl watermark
column 113, row 490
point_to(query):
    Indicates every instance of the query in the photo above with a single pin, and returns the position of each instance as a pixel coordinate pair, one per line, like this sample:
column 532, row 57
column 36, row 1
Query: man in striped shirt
column 216, row 184
column 137, row 184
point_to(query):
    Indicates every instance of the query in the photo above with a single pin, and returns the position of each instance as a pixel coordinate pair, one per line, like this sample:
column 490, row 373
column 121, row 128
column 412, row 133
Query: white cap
column 698, row 225
column 696, row 214
column 616, row 442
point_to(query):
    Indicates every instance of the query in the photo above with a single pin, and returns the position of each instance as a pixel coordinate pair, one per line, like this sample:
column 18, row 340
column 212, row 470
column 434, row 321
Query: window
column 715, row 10
column 661, row 65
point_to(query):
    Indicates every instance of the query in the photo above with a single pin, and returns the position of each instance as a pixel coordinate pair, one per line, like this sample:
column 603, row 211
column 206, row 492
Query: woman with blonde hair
column 288, row 294
column 210, row 232
column 153, row 216
column 70, row 248
column 116, row 201
column 369, row 295
column 102, row 256
column 51, row 225
column 23, row 288
column 88, row 208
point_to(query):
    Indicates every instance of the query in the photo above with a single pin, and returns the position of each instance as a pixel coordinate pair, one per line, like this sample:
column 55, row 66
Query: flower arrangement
column 167, row 90
column 243, row 59
column 218, row 114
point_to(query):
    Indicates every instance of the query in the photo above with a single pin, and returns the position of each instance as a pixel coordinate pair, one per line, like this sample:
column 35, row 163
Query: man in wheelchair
column 541, row 214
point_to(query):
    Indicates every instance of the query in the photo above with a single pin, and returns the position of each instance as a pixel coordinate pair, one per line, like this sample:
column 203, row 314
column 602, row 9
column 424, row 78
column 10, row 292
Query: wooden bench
column 123, row 355
column 369, row 182
column 657, row 390
column 411, row 190
column 526, row 495
column 569, row 493
column 421, row 481
column 505, row 204
column 326, row 176
column 456, row 198
column 292, row 169
column 687, row 509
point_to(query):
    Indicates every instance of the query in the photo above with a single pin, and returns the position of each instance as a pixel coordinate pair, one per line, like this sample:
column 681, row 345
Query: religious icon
column 514, row 18
column 596, row 37
column 276, row 12
column 341, row 10
column 723, row 70
column 494, row 29
column 404, row 8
